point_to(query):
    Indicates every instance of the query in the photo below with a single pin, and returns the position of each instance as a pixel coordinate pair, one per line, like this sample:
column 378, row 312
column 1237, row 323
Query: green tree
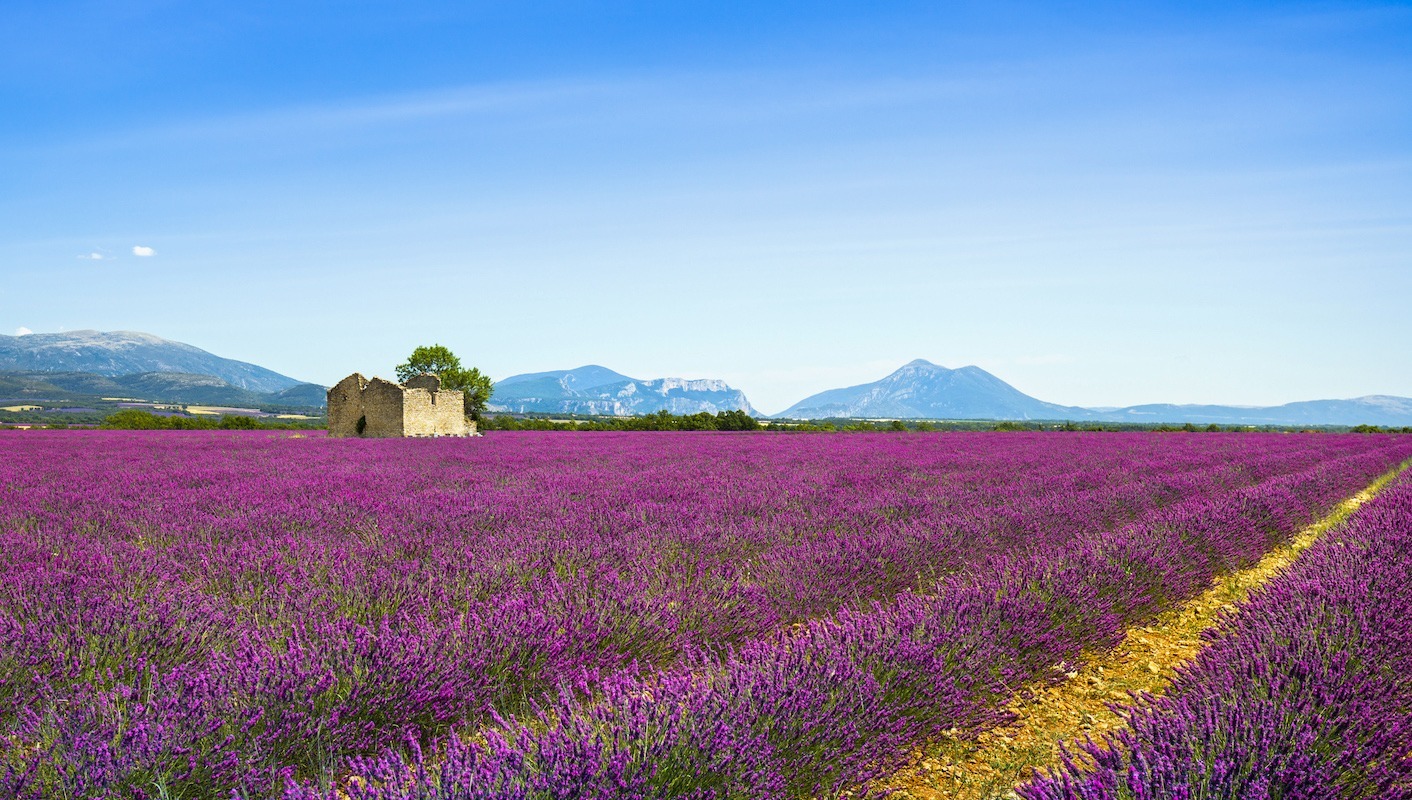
column 440, row 361
column 132, row 419
column 736, row 420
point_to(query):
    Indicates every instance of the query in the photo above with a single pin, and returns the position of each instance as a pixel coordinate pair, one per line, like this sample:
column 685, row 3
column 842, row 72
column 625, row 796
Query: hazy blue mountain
column 129, row 353
column 598, row 390
column 1370, row 410
column 923, row 390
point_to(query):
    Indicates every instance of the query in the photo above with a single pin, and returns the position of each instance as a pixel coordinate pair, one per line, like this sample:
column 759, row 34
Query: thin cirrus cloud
column 143, row 252
column 93, row 256
column 670, row 98
column 400, row 108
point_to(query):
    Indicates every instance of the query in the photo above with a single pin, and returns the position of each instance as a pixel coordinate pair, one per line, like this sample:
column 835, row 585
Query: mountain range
column 119, row 353
column 598, row 390
column 923, row 390
column 67, row 367
column 77, row 367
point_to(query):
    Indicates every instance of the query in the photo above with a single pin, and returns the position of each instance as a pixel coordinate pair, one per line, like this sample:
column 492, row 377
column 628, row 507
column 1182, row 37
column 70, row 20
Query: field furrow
column 1052, row 720
column 1302, row 693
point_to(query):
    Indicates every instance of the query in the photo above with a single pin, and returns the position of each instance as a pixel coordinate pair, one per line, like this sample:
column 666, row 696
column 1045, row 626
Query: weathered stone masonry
column 381, row 409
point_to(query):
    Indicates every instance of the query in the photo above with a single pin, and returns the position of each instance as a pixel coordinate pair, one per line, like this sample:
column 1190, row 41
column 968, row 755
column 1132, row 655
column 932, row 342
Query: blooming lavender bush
column 615, row 615
column 1305, row 693
column 840, row 702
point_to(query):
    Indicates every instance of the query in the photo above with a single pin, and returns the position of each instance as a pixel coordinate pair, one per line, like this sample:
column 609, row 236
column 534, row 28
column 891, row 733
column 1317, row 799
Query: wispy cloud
column 93, row 256
column 143, row 251
column 23, row 331
column 368, row 111
column 713, row 97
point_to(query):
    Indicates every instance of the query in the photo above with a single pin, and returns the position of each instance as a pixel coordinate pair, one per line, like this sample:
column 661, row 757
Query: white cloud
column 23, row 331
column 144, row 252
column 94, row 256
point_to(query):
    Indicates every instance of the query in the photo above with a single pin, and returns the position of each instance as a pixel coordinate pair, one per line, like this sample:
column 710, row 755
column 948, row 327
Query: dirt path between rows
column 1145, row 661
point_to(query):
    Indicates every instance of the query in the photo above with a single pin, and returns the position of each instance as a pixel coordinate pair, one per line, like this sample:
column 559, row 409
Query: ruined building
column 381, row 409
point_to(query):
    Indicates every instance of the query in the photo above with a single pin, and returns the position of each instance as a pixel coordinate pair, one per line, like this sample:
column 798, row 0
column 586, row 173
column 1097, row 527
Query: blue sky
column 1100, row 203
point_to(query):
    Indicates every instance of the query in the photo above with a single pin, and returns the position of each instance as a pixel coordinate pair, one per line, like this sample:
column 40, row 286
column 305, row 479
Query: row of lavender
column 1304, row 694
column 839, row 703
column 190, row 614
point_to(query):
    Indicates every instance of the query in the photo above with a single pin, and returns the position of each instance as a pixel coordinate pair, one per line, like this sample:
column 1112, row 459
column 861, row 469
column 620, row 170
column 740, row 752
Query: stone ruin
column 382, row 409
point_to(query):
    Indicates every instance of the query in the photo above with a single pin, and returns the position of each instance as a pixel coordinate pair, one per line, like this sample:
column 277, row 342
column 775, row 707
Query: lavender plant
column 1305, row 693
column 667, row 615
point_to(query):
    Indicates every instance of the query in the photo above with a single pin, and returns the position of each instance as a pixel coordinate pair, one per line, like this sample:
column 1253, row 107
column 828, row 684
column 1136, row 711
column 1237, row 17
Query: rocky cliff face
column 600, row 391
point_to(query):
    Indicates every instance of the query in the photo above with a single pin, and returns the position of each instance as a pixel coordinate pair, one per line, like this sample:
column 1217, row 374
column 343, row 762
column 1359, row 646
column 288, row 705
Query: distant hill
column 119, row 353
column 596, row 390
column 922, row 390
column 86, row 388
column 1370, row 410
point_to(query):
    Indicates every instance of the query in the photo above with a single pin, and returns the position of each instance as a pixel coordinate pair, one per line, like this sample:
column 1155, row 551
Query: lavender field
column 1305, row 694
column 609, row 615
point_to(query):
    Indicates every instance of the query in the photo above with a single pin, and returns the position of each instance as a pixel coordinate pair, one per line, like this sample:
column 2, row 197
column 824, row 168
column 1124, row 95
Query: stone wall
column 418, row 413
column 382, row 405
column 345, row 405
column 426, row 413
column 451, row 415
column 381, row 409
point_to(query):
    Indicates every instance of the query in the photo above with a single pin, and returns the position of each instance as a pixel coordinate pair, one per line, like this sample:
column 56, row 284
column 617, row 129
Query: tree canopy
column 439, row 360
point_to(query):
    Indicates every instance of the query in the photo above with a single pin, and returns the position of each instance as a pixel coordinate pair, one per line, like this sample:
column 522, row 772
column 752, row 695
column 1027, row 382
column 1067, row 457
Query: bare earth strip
column 993, row 764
